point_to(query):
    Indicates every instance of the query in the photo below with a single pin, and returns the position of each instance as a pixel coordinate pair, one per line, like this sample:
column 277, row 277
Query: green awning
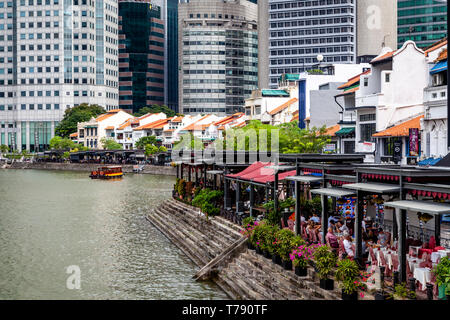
column 276, row 93
column 345, row 131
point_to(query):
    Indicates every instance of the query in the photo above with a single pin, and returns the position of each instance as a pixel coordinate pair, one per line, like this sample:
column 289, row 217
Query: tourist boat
column 111, row 172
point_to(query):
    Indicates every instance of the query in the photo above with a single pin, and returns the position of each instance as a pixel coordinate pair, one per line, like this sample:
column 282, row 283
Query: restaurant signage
column 413, row 142
column 397, row 151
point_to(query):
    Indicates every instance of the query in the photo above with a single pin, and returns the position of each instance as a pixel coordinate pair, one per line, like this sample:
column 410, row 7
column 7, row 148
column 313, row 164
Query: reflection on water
column 51, row 220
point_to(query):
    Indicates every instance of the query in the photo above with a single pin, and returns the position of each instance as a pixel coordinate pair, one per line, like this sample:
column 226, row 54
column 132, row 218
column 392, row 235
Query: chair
column 388, row 239
column 432, row 243
column 341, row 249
column 387, row 270
column 408, row 270
column 395, row 262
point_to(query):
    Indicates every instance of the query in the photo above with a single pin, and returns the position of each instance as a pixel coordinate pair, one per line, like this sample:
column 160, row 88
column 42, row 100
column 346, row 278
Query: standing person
column 382, row 237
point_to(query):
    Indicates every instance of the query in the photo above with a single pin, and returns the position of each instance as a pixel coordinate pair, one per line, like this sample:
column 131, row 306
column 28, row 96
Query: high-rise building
column 218, row 55
column 141, row 55
column 169, row 14
column 54, row 54
column 423, row 21
column 340, row 31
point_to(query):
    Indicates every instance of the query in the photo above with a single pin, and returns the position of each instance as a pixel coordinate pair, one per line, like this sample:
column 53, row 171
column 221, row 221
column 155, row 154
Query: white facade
column 391, row 93
column 434, row 124
column 54, row 54
column 91, row 132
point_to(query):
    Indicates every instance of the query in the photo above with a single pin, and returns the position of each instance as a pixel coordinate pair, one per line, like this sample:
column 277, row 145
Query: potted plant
column 258, row 236
column 442, row 273
column 347, row 272
column 401, row 292
column 270, row 241
column 325, row 260
column 284, row 247
column 249, row 225
column 300, row 258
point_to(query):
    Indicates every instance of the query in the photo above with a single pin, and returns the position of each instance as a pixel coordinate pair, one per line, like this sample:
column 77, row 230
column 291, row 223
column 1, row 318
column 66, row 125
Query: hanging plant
column 425, row 217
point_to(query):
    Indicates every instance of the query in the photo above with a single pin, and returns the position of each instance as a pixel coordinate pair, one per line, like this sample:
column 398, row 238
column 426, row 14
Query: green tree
column 296, row 140
column 72, row 116
column 4, row 148
column 110, row 144
column 189, row 142
column 150, row 149
column 142, row 142
column 59, row 143
column 156, row 109
column 162, row 149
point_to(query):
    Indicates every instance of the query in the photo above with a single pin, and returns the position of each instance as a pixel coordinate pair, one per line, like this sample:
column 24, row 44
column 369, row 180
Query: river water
column 51, row 220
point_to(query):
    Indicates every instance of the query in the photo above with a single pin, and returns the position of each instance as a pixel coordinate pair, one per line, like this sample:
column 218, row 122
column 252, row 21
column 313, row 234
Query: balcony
column 371, row 100
column 435, row 95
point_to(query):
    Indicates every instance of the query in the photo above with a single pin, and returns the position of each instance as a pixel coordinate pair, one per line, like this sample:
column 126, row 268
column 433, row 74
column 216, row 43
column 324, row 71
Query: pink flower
column 361, row 294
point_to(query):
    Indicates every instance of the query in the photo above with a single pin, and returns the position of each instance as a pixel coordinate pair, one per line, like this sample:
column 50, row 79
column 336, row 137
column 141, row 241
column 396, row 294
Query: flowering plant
column 302, row 255
column 249, row 226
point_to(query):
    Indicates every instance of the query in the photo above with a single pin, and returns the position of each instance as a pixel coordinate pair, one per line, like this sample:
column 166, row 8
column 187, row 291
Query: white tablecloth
column 423, row 275
column 413, row 263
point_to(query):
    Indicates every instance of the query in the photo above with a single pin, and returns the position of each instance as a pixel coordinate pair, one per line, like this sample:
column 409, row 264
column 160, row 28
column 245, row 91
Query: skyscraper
column 141, row 55
column 54, row 54
column 423, row 21
column 218, row 53
column 342, row 31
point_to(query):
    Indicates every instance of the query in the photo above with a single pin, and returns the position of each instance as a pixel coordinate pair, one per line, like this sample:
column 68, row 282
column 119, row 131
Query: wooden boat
column 111, row 172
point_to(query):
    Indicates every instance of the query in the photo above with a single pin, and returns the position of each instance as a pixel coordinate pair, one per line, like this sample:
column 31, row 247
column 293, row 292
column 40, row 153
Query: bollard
column 412, row 284
column 382, row 268
column 396, row 281
column 429, row 291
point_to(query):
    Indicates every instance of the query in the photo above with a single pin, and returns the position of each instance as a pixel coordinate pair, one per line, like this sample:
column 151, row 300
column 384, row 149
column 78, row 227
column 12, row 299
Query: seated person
column 371, row 237
column 382, row 237
column 332, row 240
column 341, row 227
column 348, row 245
column 315, row 218
column 331, row 221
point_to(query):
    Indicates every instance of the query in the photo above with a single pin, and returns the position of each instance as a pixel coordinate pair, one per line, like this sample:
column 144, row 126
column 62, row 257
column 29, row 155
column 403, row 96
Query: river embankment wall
column 88, row 167
column 240, row 272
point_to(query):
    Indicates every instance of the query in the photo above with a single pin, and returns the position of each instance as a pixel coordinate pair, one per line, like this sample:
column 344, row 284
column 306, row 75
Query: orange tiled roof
column 331, row 131
column 75, row 134
column 442, row 56
column 283, row 106
column 154, row 124
column 194, row 125
column 384, row 57
column 169, row 130
column 353, row 80
column 107, row 115
column 161, row 124
column 400, row 130
column 436, row 45
column 177, row 119
column 125, row 124
column 109, row 128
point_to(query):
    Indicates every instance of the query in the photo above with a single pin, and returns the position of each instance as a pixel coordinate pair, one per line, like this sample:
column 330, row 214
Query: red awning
column 271, row 177
column 253, row 167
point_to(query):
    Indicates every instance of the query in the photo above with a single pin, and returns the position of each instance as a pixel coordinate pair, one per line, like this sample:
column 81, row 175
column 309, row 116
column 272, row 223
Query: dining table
column 423, row 275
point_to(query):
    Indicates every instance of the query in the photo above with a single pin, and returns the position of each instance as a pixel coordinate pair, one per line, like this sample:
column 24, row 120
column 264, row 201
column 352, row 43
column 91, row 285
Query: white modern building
column 54, row 54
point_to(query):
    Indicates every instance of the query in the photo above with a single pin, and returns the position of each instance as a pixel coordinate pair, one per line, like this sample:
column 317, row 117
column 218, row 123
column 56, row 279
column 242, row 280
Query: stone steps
column 187, row 249
column 199, row 241
column 204, row 228
column 219, row 221
column 193, row 213
column 189, row 226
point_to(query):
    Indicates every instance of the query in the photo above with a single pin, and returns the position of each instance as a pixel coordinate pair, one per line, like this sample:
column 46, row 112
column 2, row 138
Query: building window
column 367, row 130
column 387, row 77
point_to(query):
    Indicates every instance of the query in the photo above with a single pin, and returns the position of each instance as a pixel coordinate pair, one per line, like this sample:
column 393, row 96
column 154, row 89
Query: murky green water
column 51, row 220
